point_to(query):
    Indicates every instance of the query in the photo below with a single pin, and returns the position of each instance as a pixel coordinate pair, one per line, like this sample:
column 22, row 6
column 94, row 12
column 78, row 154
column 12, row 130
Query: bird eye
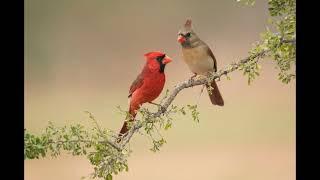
column 188, row 34
column 160, row 58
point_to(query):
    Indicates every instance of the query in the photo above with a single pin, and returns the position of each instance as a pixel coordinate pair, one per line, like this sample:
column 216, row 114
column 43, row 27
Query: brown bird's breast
column 198, row 60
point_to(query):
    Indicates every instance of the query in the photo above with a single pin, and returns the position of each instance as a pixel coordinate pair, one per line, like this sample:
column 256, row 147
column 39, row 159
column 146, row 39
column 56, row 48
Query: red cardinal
column 148, row 85
column 199, row 58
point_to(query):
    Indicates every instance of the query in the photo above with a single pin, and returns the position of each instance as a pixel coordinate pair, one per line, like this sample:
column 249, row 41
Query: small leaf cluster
column 194, row 112
column 279, row 46
column 107, row 161
column 157, row 144
column 166, row 122
column 283, row 49
column 251, row 68
column 152, row 126
column 73, row 139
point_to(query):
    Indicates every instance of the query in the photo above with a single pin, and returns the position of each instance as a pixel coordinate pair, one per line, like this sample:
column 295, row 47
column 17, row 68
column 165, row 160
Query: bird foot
column 191, row 80
column 160, row 106
column 211, row 74
column 195, row 74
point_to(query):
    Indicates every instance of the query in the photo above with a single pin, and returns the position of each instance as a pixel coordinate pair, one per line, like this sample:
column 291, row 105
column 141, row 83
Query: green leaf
column 168, row 125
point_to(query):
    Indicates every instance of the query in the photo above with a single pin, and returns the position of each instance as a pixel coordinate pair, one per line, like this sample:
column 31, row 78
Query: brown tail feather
column 215, row 96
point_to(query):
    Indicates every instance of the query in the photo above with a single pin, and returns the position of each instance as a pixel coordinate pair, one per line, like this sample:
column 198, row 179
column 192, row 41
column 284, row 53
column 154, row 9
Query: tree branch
column 86, row 141
column 184, row 85
column 292, row 41
column 187, row 84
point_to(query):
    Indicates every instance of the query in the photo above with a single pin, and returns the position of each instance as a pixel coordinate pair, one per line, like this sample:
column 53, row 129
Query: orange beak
column 166, row 60
column 181, row 39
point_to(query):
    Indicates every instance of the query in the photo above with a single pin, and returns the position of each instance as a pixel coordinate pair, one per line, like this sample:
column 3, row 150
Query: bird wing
column 213, row 58
column 136, row 84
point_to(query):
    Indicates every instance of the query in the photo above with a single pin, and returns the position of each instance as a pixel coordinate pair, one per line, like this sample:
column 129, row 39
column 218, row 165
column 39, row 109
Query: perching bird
column 148, row 85
column 199, row 58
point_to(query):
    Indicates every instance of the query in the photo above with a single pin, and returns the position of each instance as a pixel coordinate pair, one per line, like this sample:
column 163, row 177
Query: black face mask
column 160, row 61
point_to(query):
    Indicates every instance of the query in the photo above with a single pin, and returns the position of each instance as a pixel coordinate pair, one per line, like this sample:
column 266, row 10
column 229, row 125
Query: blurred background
column 83, row 55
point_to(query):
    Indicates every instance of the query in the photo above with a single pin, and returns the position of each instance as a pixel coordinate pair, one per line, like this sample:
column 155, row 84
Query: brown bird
column 199, row 58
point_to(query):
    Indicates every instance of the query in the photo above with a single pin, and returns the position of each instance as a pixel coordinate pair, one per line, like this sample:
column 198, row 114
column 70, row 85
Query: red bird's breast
column 152, row 86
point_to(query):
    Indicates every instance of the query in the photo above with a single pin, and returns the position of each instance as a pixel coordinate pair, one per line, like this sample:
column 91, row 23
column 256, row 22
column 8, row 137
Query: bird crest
column 188, row 24
column 153, row 54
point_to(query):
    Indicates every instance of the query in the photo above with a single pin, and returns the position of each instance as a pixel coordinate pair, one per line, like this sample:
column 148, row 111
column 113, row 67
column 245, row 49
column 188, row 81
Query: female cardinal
column 148, row 85
column 200, row 59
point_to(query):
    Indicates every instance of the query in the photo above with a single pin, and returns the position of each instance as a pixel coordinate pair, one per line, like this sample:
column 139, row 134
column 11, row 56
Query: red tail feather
column 125, row 128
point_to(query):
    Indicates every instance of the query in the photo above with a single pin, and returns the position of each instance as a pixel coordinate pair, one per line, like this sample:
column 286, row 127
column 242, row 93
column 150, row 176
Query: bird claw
column 162, row 109
column 218, row 79
column 191, row 80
